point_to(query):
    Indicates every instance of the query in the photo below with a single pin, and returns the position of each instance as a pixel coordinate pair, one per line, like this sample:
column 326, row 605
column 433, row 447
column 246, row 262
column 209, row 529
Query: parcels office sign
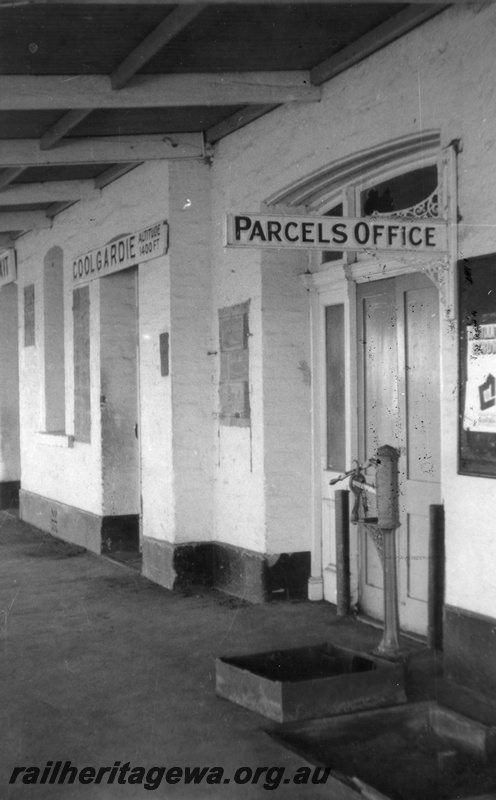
column 336, row 233
column 121, row 253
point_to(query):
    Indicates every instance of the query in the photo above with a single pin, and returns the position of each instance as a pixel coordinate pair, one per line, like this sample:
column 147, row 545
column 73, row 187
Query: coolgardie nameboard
column 336, row 233
column 123, row 252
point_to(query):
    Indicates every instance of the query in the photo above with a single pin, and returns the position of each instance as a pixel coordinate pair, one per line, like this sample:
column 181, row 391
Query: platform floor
column 99, row 665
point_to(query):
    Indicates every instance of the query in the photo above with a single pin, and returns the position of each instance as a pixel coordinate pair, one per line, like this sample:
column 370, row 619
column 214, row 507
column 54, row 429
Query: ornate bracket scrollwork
column 427, row 209
column 439, row 271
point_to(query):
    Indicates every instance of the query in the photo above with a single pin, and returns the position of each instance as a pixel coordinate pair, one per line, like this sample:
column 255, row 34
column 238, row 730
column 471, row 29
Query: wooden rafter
column 47, row 192
column 112, row 173
column 236, row 121
column 374, row 40
column 104, row 150
column 56, row 208
column 42, row 92
column 8, row 175
column 23, row 220
column 168, row 29
column 63, row 126
column 173, row 24
column 165, row 3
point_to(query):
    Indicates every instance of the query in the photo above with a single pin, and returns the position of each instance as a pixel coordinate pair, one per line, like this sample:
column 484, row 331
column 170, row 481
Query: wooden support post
column 436, row 577
column 342, row 552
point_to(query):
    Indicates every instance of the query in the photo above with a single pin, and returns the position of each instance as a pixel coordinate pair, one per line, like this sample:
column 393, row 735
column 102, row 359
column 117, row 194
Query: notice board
column 477, row 366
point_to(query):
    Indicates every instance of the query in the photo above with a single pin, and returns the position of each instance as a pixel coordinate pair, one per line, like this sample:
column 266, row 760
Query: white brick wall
column 440, row 76
column 74, row 475
column 157, row 485
column 191, row 364
column 287, row 401
column 10, row 468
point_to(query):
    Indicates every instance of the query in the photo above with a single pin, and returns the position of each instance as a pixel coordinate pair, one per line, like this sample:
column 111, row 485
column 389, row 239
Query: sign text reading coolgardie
column 335, row 233
column 123, row 252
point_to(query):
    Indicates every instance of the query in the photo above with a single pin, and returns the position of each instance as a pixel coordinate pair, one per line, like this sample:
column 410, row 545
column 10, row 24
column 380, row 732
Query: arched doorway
column 375, row 333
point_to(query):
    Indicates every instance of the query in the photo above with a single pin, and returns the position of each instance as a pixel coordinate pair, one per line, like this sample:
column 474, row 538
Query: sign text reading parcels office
column 335, row 233
column 124, row 251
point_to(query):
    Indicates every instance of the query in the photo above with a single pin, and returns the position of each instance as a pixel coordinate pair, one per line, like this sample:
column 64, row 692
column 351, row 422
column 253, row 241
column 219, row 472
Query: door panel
column 418, row 329
column 421, row 377
column 377, row 338
column 398, row 359
column 379, row 417
column 373, row 568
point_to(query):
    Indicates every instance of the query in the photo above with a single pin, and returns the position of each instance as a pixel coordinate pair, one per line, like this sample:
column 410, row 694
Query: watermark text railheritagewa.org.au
column 58, row 772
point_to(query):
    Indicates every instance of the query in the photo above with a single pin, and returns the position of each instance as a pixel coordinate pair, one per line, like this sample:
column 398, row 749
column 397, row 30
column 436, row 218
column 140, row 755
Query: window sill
column 55, row 439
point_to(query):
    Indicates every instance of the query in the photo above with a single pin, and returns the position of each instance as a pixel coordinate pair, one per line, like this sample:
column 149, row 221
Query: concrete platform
column 99, row 665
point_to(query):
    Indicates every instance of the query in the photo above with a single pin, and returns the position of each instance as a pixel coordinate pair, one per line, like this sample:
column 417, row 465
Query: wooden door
column 399, row 405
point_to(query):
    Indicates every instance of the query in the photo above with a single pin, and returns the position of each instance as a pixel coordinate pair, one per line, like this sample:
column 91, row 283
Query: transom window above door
column 405, row 192
column 411, row 195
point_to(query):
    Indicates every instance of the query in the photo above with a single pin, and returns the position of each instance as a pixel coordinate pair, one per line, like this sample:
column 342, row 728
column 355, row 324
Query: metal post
column 436, row 578
column 342, row 553
column 390, row 644
column 387, row 522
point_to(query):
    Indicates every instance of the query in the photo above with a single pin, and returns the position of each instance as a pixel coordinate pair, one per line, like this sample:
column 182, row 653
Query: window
column 234, row 381
column 401, row 192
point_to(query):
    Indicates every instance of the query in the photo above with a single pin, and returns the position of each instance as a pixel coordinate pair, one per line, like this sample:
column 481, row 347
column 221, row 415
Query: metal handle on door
column 136, row 429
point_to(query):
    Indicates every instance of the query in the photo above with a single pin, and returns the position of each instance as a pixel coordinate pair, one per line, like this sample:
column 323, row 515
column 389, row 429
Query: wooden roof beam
column 173, row 24
column 9, row 175
column 374, row 40
column 23, row 221
column 56, row 208
column 102, row 150
column 46, row 92
column 168, row 29
column 379, row 37
column 47, row 192
column 113, row 173
column 63, row 126
column 236, row 121
column 165, row 3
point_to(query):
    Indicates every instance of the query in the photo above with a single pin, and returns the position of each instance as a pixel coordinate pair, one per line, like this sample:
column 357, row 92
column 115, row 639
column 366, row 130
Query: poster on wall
column 477, row 440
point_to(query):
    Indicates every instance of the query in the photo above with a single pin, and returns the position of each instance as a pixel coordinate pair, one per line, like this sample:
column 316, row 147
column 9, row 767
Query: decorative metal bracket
column 427, row 209
column 441, row 205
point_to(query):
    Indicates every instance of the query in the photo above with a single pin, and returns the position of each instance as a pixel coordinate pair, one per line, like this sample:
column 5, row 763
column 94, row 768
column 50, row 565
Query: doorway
column 398, row 365
column 119, row 392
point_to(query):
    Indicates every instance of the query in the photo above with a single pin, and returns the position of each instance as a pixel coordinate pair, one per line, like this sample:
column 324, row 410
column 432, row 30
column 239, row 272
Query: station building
column 167, row 392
